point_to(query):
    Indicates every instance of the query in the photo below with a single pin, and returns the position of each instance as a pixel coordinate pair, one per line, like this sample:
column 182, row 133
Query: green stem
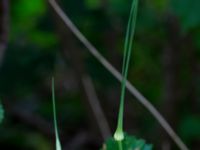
column 58, row 145
column 120, row 145
column 119, row 135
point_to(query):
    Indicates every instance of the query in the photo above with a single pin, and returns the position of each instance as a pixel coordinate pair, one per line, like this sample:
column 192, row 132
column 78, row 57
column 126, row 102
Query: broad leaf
column 129, row 143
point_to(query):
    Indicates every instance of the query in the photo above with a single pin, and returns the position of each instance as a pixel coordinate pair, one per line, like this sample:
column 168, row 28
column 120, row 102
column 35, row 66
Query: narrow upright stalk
column 120, row 145
column 119, row 134
column 58, row 145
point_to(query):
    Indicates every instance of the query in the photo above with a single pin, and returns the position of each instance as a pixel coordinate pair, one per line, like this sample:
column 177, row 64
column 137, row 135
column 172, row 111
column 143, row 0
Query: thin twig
column 96, row 106
column 85, row 82
column 118, row 76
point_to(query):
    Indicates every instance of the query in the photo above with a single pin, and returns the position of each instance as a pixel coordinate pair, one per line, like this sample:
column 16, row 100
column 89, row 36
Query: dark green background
column 164, row 67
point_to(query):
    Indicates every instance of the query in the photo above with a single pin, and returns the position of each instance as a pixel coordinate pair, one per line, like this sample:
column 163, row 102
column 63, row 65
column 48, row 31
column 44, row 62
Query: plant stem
column 120, row 145
column 119, row 135
column 58, row 145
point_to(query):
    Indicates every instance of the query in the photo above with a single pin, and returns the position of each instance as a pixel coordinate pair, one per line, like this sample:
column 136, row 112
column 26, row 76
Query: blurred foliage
column 93, row 4
column 189, row 128
column 188, row 13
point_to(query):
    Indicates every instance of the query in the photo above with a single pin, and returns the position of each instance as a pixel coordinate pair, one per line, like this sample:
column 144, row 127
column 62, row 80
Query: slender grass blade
column 125, row 67
column 58, row 145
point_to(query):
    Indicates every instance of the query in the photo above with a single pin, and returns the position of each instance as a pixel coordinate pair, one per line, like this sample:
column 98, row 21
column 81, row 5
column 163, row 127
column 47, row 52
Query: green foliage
column 27, row 17
column 32, row 8
column 188, row 11
column 129, row 143
column 1, row 113
column 93, row 4
column 190, row 128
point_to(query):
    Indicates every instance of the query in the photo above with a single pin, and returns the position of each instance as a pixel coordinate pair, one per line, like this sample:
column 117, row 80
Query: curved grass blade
column 58, row 145
column 119, row 135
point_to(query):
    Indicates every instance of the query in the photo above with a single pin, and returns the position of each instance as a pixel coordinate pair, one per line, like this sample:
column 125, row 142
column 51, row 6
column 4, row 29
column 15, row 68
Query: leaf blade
column 58, row 144
column 125, row 66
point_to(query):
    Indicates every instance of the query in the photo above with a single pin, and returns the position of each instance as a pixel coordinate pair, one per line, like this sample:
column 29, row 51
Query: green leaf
column 1, row 113
column 43, row 39
column 26, row 14
column 129, row 143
